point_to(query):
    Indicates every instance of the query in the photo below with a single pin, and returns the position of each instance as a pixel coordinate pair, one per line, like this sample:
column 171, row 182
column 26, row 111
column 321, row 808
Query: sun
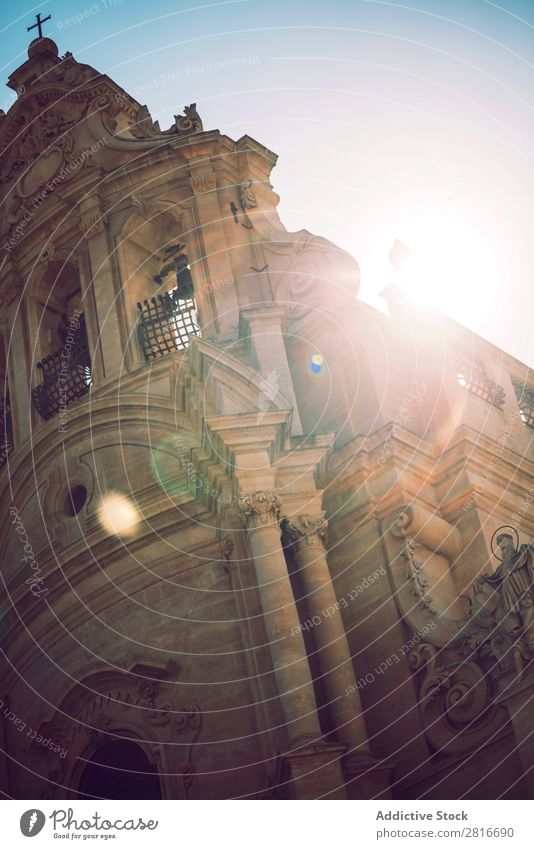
column 453, row 264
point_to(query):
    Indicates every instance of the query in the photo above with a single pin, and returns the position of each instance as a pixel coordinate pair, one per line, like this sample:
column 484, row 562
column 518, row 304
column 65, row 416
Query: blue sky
column 390, row 120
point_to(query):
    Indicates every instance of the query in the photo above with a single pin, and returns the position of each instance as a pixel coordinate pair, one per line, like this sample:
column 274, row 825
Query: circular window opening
column 75, row 499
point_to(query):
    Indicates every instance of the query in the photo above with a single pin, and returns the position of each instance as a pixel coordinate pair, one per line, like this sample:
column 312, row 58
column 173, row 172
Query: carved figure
column 514, row 581
column 247, row 196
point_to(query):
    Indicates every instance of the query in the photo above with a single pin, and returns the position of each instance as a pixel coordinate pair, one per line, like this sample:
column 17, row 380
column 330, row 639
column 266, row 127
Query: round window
column 75, row 499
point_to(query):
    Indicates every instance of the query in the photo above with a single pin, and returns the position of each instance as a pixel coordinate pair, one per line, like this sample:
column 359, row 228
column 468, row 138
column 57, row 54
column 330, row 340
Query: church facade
column 259, row 539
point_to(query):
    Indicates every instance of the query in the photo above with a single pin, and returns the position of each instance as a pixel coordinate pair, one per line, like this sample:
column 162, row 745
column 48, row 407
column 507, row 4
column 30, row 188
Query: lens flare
column 317, row 363
column 118, row 515
column 454, row 263
column 170, row 460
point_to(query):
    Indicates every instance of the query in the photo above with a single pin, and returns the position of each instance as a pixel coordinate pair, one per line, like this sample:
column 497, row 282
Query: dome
column 42, row 45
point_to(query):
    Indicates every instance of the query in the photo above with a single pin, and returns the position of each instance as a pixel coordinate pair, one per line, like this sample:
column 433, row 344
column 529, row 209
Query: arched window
column 119, row 770
column 167, row 322
column 65, row 368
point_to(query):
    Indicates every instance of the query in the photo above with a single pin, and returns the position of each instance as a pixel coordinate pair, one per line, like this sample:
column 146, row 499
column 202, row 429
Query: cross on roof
column 39, row 24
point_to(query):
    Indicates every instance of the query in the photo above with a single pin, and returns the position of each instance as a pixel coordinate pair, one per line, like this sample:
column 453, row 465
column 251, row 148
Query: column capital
column 203, row 183
column 93, row 218
column 306, row 530
column 260, row 509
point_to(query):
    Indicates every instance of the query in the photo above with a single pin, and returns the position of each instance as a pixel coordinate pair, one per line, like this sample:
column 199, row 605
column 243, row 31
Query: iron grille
column 6, row 431
column 471, row 376
column 166, row 324
column 67, row 376
column 525, row 399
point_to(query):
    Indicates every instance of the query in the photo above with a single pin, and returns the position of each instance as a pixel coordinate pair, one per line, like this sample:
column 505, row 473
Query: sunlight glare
column 118, row 515
column 453, row 264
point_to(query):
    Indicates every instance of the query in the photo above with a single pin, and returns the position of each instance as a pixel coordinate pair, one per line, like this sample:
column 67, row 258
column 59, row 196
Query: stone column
column 314, row 764
column 307, row 534
column 260, row 513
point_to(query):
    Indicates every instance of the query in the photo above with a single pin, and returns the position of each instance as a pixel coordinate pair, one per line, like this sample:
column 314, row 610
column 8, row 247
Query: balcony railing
column 166, row 324
column 6, row 431
column 471, row 376
column 67, row 376
column 525, row 400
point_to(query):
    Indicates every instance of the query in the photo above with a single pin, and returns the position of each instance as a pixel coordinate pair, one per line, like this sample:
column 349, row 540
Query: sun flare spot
column 118, row 515
column 453, row 262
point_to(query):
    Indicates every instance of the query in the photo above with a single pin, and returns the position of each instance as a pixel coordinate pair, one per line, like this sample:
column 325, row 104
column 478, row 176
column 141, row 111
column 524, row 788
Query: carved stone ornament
column 422, row 548
column 417, row 577
column 36, row 138
column 111, row 706
column 460, row 682
column 66, row 113
column 308, row 273
column 92, row 223
column 143, row 127
column 259, row 510
column 202, row 183
column 501, row 623
column 456, row 700
column 306, row 530
column 247, row 196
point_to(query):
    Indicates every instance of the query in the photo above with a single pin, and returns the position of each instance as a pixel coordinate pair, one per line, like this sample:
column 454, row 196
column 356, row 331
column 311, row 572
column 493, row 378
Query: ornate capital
column 306, row 530
column 93, row 223
column 259, row 510
column 202, row 183
column 93, row 217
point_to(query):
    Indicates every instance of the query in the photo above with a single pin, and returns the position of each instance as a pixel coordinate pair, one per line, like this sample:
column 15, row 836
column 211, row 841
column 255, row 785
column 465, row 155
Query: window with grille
column 472, row 376
column 166, row 324
column 66, row 374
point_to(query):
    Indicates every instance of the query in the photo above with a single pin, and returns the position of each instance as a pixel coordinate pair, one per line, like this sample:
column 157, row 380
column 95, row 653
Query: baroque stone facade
column 295, row 591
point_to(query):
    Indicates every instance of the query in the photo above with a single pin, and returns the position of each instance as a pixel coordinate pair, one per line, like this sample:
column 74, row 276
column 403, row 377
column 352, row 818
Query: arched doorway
column 120, row 770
